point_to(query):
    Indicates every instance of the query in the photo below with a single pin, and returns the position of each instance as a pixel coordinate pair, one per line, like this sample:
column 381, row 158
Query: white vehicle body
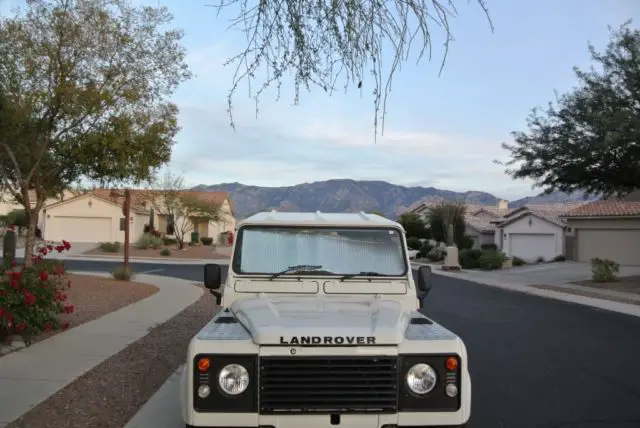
column 331, row 345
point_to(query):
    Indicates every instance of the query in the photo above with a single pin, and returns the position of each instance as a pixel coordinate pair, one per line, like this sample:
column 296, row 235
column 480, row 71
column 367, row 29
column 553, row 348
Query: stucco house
column 534, row 231
column 607, row 229
column 8, row 203
column 479, row 219
column 96, row 216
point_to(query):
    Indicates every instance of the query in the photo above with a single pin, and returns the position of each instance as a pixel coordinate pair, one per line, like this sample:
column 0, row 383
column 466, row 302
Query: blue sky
column 441, row 131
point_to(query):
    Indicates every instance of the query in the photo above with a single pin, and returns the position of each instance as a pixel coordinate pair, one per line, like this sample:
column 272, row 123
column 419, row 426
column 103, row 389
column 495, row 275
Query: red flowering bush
column 32, row 298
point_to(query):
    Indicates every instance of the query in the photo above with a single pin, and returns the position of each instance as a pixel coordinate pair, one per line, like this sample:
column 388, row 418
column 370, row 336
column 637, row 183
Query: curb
column 145, row 260
column 44, row 368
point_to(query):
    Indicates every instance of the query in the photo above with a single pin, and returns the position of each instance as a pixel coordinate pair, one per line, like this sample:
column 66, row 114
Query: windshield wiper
column 353, row 275
column 294, row 269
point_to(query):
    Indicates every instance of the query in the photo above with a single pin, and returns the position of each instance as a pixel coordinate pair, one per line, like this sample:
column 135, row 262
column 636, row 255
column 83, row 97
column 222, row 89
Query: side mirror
column 424, row 279
column 212, row 276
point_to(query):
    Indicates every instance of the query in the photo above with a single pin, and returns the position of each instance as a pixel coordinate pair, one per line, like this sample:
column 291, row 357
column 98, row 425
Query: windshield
column 335, row 251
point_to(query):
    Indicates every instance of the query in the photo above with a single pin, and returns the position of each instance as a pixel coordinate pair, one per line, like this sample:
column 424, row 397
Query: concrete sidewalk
column 500, row 280
column 30, row 375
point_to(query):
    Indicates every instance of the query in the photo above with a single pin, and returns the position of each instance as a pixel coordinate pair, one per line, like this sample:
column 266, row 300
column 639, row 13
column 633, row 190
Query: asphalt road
column 535, row 362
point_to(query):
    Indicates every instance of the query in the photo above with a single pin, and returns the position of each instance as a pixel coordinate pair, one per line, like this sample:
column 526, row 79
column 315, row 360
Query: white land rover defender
column 321, row 328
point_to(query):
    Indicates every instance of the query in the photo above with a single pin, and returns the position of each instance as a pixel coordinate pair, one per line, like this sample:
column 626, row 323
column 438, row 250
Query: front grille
column 328, row 384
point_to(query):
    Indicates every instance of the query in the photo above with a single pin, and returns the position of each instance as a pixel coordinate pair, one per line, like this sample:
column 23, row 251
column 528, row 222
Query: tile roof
column 139, row 196
column 551, row 212
column 480, row 224
column 606, row 208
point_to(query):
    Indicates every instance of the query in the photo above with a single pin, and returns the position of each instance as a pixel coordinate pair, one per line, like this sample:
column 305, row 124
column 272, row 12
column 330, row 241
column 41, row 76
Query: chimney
column 503, row 206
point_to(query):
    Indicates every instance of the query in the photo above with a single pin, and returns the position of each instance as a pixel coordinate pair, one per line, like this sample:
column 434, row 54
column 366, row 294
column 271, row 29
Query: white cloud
column 276, row 153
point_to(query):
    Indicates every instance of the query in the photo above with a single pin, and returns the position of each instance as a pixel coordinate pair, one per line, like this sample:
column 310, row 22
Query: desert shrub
column 604, row 270
column 559, row 258
column 425, row 248
column 491, row 260
column 517, row 261
column 436, row 254
column 33, row 298
column 148, row 240
column 169, row 241
column 466, row 242
column 122, row 274
column 413, row 243
column 206, row 240
column 110, row 247
column 469, row 258
column 489, row 247
column 165, row 252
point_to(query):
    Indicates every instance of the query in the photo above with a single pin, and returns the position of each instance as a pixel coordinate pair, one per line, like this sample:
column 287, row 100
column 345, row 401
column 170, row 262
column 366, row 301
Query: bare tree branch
column 319, row 41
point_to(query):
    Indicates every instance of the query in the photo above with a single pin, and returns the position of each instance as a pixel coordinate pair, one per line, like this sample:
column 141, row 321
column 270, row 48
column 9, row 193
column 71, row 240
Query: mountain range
column 345, row 195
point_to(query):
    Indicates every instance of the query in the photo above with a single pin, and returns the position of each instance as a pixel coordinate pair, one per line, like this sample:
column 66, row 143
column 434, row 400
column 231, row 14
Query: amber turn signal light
column 452, row 363
column 204, row 364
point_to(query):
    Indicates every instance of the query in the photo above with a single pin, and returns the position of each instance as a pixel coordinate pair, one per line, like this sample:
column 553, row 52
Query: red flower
column 60, row 248
column 15, row 274
column 14, row 283
column 20, row 327
column 44, row 275
column 67, row 245
column 29, row 299
column 43, row 251
column 50, row 247
column 65, row 325
column 1, row 312
column 48, row 327
column 59, row 269
column 68, row 309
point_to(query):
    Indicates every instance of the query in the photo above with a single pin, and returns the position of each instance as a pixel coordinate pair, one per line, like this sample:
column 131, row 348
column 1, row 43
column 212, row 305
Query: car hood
column 322, row 321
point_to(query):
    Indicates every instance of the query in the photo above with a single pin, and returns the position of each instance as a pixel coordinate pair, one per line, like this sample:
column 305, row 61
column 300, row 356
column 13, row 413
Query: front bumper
column 399, row 420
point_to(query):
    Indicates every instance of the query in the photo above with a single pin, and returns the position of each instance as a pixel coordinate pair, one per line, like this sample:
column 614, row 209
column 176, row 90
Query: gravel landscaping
column 93, row 297
column 590, row 292
column 110, row 394
column 198, row 252
column 624, row 284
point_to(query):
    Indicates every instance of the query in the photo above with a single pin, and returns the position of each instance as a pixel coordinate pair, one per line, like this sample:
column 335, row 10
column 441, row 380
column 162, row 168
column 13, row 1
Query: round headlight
column 233, row 379
column 421, row 378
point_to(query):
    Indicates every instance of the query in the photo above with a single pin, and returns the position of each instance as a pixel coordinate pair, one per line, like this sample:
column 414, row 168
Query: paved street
column 535, row 362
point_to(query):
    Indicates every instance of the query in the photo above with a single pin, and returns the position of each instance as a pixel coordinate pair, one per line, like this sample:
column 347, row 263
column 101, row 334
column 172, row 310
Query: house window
column 122, row 224
column 569, row 229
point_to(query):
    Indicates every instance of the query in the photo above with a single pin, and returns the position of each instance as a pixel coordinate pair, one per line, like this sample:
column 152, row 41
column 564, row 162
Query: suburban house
column 478, row 218
column 534, row 231
column 606, row 229
column 529, row 232
column 97, row 216
column 8, row 203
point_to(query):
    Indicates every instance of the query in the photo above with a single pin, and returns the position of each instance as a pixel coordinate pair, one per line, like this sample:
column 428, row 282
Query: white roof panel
column 318, row 219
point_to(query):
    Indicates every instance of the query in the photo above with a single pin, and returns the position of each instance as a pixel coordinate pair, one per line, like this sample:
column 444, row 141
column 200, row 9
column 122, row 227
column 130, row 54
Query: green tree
column 84, row 93
column 442, row 215
column 589, row 139
column 414, row 225
column 318, row 43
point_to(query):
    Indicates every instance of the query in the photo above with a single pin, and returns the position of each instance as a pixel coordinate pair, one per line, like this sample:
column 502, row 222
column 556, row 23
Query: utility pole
column 126, row 210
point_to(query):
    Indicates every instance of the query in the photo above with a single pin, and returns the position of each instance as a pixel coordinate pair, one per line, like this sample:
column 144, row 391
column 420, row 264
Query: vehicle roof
column 279, row 218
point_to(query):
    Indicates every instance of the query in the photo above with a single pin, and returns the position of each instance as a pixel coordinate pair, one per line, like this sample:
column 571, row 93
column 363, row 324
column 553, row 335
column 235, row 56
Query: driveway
column 544, row 273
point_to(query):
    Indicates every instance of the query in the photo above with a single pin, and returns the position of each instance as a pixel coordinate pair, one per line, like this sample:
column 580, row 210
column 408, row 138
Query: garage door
column 621, row 246
column 79, row 229
column 532, row 246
